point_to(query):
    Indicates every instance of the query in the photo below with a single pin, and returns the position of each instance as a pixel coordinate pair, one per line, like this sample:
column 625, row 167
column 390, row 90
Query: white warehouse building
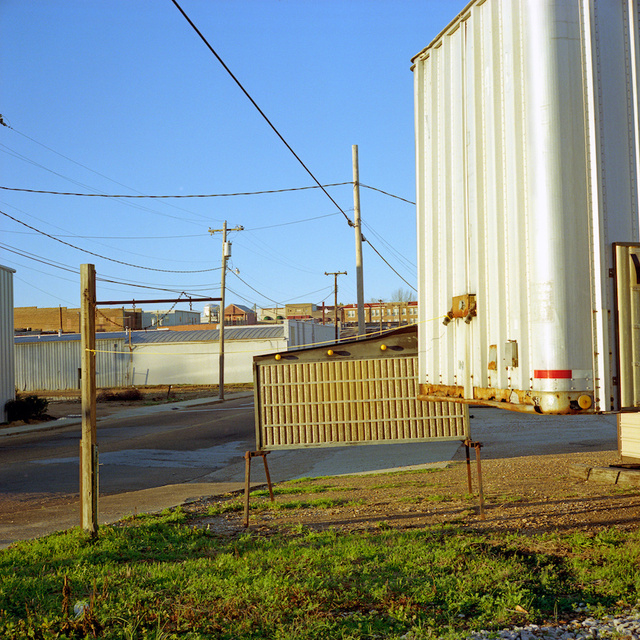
column 7, row 386
column 52, row 362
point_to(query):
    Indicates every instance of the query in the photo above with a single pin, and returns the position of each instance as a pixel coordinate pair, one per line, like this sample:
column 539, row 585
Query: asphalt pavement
column 503, row 434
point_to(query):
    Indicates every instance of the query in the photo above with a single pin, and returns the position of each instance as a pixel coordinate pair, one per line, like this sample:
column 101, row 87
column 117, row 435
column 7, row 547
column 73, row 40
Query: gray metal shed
column 7, row 374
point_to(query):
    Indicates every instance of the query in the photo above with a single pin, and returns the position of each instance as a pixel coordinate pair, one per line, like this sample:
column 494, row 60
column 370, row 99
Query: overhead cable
column 23, row 254
column 97, row 255
column 386, row 193
column 388, row 265
column 252, row 289
column 255, row 104
column 24, row 135
column 201, row 195
column 189, row 195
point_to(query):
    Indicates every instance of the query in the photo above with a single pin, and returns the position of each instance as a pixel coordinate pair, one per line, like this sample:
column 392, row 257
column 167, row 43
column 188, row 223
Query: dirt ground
column 526, row 495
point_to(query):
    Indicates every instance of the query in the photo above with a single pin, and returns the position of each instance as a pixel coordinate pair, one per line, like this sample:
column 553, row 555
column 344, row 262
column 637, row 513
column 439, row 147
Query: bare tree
column 401, row 295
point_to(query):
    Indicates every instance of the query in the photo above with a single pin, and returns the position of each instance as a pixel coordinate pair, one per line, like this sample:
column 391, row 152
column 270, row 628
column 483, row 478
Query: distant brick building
column 389, row 314
column 63, row 320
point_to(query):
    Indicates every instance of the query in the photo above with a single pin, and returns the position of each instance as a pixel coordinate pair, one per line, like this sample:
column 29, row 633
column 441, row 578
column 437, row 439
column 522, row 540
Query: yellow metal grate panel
column 350, row 401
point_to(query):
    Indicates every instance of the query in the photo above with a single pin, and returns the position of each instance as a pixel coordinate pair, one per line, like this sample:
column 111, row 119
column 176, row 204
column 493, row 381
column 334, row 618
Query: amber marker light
column 278, row 356
column 585, row 402
column 329, row 352
column 383, row 347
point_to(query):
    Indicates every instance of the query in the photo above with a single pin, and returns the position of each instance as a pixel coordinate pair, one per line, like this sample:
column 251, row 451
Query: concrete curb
column 611, row 475
column 126, row 413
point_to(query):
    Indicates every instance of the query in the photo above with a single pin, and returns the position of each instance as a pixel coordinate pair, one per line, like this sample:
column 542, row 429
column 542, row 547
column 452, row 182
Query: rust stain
column 493, row 357
column 527, row 401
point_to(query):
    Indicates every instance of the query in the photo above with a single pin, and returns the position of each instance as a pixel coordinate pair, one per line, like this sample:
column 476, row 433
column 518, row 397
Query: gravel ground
column 624, row 627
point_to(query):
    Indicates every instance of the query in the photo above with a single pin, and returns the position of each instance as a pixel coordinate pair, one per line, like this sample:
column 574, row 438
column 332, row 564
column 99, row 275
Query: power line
column 388, row 265
column 190, row 195
column 407, row 263
column 97, row 255
column 252, row 289
column 172, row 237
column 254, row 103
column 386, row 193
column 284, row 224
column 24, row 135
column 23, row 254
column 129, row 204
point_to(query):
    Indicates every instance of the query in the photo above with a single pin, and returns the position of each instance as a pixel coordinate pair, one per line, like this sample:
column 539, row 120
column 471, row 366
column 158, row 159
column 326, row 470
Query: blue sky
column 123, row 97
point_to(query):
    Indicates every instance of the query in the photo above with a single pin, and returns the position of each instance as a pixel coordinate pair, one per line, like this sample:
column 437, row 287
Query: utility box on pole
column 527, row 121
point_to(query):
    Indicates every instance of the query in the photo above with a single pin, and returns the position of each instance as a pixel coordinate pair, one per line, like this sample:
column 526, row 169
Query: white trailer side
column 528, row 160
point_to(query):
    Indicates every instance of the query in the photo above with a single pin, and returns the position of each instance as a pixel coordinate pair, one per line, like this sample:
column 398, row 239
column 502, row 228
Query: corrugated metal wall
column 301, row 334
column 349, row 401
column 629, row 437
column 54, row 366
column 198, row 362
column 7, row 384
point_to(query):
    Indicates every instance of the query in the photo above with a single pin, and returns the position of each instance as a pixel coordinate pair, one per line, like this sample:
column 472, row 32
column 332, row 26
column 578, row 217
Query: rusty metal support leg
column 478, row 446
column 266, row 473
column 247, row 479
column 247, row 486
column 466, row 448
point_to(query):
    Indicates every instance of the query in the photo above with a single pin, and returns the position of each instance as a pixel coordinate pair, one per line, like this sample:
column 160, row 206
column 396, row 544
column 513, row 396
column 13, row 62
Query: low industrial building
column 7, row 386
column 52, row 362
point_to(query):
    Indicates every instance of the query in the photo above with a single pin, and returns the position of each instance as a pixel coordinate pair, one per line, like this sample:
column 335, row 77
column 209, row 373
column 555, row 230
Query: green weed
column 158, row 577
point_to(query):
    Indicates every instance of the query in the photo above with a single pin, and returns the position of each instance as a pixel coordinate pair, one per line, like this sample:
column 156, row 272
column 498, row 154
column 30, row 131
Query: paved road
column 162, row 456
column 177, row 445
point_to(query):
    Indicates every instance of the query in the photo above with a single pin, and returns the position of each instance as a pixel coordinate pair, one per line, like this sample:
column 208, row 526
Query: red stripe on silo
column 547, row 374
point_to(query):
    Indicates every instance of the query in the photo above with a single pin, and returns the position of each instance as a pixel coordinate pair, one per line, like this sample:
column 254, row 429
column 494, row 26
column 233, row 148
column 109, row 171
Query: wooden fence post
column 88, row 443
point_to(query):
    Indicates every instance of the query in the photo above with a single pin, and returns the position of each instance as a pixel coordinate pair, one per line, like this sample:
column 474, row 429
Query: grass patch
column 403, row 485
column 266, row 505
column 284, row 490
column 163, row 579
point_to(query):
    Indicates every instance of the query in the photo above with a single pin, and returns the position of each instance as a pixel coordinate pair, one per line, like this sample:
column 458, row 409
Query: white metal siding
column 7, row 378
column 629, row 437
column 197, row 362
column 54, row 365
column 305, row 334
column 503, row 194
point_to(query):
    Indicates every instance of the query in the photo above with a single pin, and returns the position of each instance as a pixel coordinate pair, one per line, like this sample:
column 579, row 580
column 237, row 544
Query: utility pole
column 335, row 275
column 381, row 308
column 358, row 227
column 88, row 442
column 226, row 254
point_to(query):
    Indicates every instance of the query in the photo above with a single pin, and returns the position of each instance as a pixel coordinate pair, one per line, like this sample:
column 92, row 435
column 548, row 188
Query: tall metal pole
column 226, row 253
column 88, row 442
column 335, row 275
column 221, row 313
column 358, row 228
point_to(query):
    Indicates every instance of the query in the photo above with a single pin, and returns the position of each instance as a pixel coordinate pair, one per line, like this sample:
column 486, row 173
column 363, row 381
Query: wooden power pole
column 226, row 254
column 88, row 442
column 335, row 275
column 358, row 227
